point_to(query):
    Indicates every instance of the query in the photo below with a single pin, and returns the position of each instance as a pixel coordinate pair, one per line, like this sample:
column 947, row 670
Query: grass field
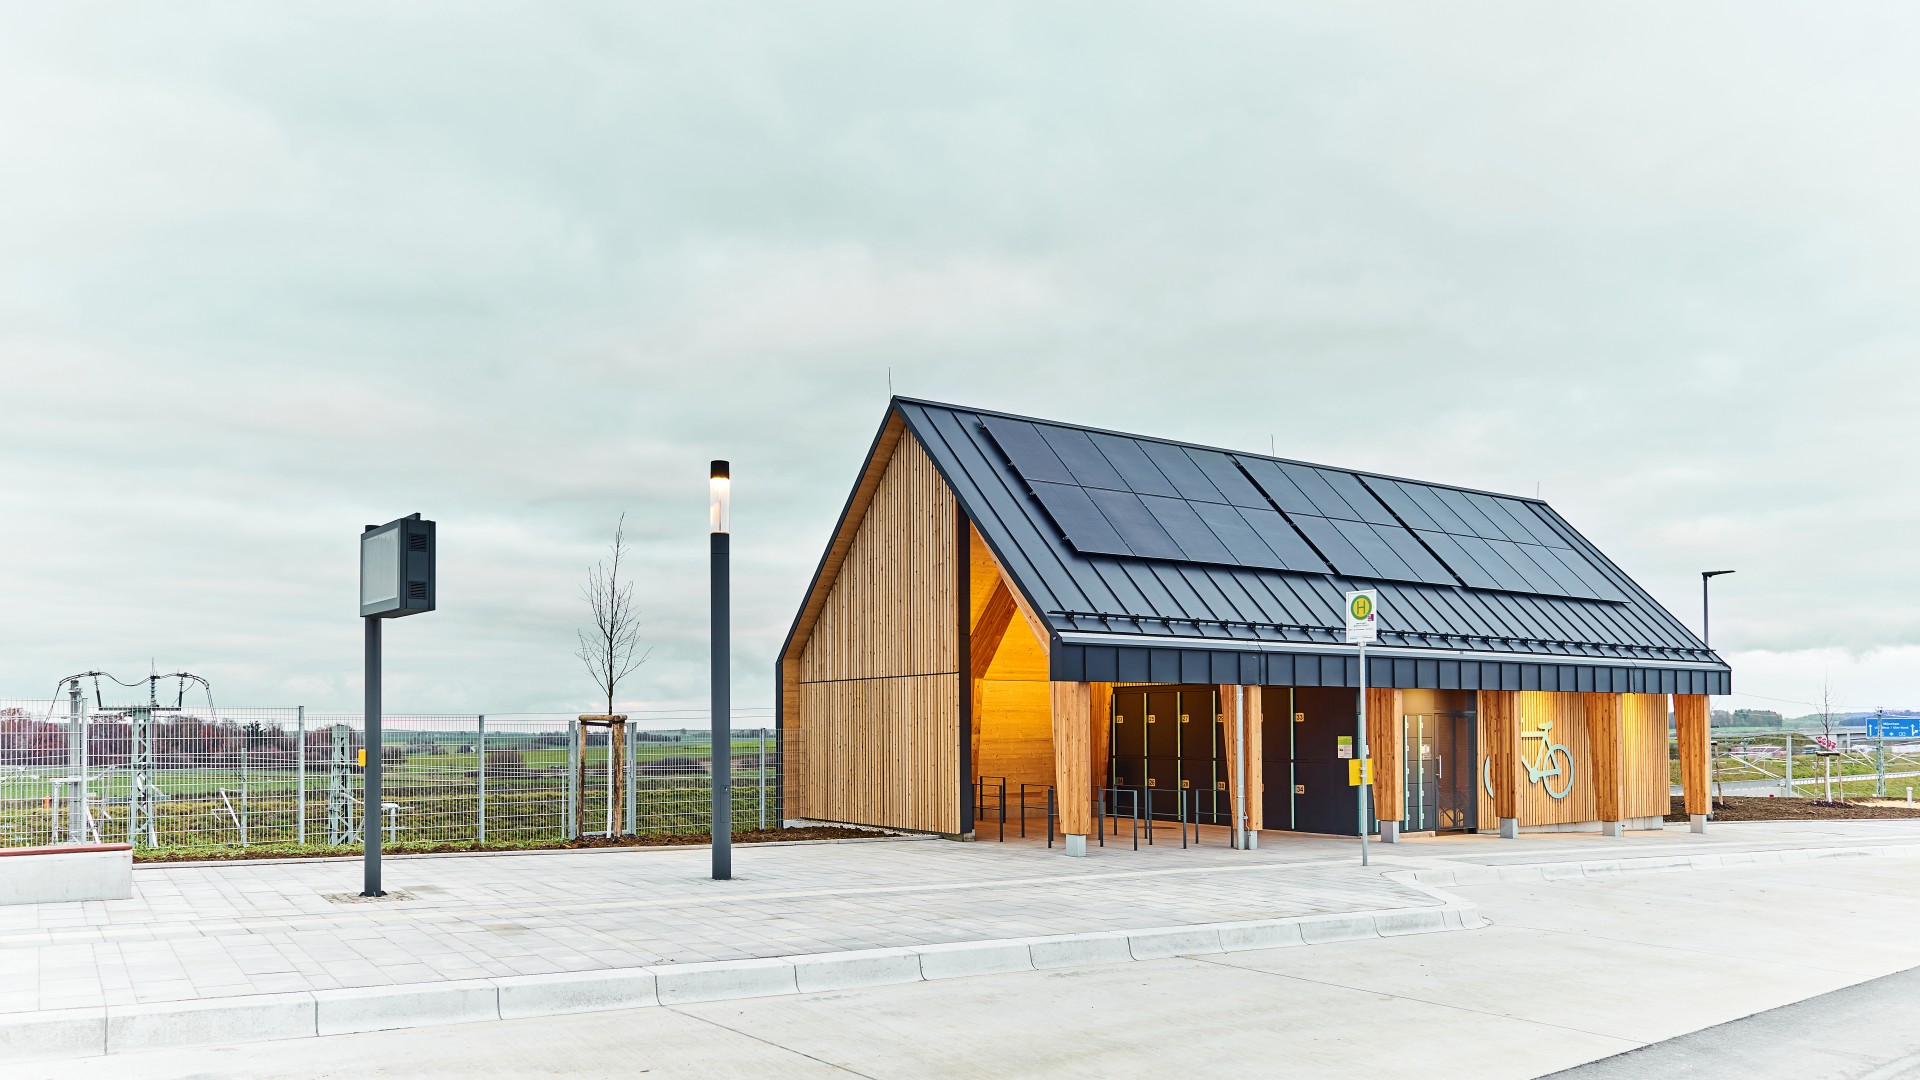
column 438, row 795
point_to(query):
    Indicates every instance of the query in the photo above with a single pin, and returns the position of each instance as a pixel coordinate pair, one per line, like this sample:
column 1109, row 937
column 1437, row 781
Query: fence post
column 1789, row 792
column 76, row 767
column 633, row 776
column 573, row 774
column 1880, row 766
column 763, row 778
column 300, row 778
column 245, row 739
column 480, row 772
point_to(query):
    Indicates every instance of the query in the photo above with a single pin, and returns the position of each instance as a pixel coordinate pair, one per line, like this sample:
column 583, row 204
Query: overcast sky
column 272, row 272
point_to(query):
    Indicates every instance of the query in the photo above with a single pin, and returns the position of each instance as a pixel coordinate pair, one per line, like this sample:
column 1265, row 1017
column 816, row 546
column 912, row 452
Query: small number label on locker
column 1219, row 785
column 1185, row 718
column 1149, row 718
column 1299, row 789
column 1185, row 784
column 1299, row 718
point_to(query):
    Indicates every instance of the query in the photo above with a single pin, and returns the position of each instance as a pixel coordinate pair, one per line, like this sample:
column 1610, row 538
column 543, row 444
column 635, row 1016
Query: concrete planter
column 65, row 874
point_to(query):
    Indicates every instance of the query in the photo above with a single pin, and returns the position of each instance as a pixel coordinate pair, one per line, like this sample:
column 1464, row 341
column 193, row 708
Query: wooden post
column 1256, row 776
column 1607, row 748
column 1072, row 758
column 1690, row 728
column 1386, row 741
column 1500, row 711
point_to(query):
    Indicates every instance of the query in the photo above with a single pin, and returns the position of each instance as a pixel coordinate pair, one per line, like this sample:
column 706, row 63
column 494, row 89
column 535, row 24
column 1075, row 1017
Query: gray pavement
column 1570, row 972
column 225, row 930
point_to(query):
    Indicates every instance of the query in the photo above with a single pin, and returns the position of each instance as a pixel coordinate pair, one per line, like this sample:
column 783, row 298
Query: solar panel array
column 1114, row 495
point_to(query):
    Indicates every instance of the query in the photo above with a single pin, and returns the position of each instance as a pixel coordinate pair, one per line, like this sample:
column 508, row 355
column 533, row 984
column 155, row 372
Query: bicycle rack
column 1023, row 807
column 1180, row 812
column 980, row 787
column 1105, row 807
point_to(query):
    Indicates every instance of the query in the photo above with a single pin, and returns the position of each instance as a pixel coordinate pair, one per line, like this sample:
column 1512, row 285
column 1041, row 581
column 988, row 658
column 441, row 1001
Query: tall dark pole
column 371, row 833
column 1706, row 637
column 719, row 481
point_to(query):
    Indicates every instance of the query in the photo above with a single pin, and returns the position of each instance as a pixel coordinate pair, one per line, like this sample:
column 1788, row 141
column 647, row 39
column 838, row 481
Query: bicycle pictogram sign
column 1553, row 760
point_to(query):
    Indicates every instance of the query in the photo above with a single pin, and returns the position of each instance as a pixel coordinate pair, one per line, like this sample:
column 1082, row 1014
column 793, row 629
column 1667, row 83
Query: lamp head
column 719, row 498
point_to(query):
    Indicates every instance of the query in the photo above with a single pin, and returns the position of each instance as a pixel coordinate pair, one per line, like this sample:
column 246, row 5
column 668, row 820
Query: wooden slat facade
column 872, row 712
column 1616, row 742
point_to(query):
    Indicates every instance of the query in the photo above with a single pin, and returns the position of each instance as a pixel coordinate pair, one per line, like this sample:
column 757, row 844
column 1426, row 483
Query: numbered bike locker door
column 1128, row 748
column 1163, row 752
column 1456, row 802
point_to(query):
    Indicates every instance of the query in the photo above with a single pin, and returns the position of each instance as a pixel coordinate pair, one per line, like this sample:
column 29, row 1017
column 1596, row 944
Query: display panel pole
column 370, row 832
column 1360, row 753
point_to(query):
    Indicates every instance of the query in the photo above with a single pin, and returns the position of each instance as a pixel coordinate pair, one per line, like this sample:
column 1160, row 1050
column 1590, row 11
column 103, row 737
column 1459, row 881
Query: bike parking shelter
column 1011, row 605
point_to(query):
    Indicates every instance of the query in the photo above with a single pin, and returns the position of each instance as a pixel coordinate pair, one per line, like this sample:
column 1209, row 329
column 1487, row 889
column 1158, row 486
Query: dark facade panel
column 1195, row 666
column 1135, row 665
column 1067, row 663
column 1164, row 666
column 1103, row 664
column 1280, row 670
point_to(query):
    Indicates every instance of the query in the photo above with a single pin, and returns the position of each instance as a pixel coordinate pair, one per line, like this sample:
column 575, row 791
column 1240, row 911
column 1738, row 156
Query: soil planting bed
column 1752, row 808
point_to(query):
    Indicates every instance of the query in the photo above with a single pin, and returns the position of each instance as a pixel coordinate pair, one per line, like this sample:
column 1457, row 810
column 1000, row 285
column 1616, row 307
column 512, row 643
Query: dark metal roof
column 1122, row 540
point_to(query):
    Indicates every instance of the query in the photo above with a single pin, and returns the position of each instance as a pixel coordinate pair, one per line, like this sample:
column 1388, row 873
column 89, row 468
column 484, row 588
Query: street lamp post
column 1706, row 576
column 719, row 511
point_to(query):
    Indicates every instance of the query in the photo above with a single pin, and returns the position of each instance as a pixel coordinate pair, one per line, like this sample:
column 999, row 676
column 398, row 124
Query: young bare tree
column 612, row 651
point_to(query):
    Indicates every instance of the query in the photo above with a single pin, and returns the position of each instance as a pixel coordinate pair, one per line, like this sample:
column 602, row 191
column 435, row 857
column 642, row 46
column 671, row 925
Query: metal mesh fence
column 252, row 777
column 1843, row 766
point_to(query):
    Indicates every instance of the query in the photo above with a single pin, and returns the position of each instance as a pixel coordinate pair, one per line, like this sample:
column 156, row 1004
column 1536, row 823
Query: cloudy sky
column 271, row 272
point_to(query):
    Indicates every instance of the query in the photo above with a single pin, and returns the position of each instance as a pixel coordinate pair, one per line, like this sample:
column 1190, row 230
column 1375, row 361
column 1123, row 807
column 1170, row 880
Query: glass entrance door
column 1439, row 773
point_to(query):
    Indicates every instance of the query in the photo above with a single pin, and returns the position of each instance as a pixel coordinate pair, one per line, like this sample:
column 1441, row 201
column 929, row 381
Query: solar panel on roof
column 1489, row 560
column 1030, row 454
column 1283, row 491
column 1111, row 495
column 1135, row 468
column 1287, row 546
column 1509, row 528
column 1356, row 495
column 1082, row 523
column 1227, row 477
column 1531, row 521
column 1421, row 561
column 1137, row 528
column 1442, row 514
column 1342, row 554
column 1242, row 542
column 1394, row 494
column 1374, row 550
column 1089, row 466
column 1315, row 487
column 1187, row 530
column 1475, row 518
column 1179, row 469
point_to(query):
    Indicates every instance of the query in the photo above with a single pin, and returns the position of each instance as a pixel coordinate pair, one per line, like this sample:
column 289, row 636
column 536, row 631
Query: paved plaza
column 221, row 930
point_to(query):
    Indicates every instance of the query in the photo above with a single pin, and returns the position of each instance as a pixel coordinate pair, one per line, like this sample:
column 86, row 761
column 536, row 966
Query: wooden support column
column 1690, row 728
column 1229, row 716
column 1500, row 713
column 1606, row 746
column 1072, row 758
column 1386, row 741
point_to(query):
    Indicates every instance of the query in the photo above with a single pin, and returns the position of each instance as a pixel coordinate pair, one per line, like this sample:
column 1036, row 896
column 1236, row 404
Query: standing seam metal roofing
column 1117, row 597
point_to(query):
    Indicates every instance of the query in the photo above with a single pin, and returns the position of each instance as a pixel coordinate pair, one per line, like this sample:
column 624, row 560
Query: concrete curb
column 1590, row 869
column 115, row 1029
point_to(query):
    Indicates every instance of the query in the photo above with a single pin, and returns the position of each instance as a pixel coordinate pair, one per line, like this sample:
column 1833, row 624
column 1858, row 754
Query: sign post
column 396, row 580
column 1363, row 607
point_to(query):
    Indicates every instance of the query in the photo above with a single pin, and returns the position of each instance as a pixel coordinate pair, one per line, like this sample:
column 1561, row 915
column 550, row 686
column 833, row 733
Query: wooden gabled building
column 1123, row 619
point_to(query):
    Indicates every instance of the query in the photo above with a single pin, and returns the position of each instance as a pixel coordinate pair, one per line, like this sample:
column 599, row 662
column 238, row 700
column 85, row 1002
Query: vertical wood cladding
column 1637, row 721
column 876, row 738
